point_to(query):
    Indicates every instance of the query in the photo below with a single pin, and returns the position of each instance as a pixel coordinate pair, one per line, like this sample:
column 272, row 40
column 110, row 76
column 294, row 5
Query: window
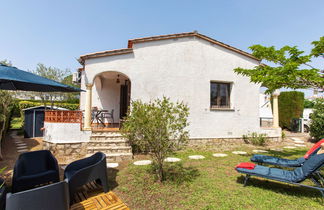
column 220, row 93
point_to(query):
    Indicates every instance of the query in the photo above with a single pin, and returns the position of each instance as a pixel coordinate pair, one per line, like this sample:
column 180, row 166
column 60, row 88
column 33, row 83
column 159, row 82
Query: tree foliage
column 291, row 105
column 308, row 103
column 52, row 73
column 292, row 67
column 317, row 120
column 6, row 62
column 157, row 127
column 6, row 102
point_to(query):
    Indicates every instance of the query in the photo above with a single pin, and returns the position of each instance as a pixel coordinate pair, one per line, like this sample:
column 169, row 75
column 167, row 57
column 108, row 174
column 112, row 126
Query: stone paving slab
column 239, row 152
column 289, row 147
column 300, row 145
column 112, row 165
column 259, row 151
column 219, row 155
column 196, row 157
column 172, row 159
column 23, row 150
column 142, row 162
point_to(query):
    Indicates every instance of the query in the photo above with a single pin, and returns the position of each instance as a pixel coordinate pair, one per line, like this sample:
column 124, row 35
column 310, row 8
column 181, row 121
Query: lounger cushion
column 314, row 149
column 277, row 161
column 275, row 173
column 246, row 165
column 312, row 164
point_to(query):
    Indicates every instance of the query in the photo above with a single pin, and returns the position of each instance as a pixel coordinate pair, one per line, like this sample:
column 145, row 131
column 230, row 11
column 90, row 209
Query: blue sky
column 57, row 32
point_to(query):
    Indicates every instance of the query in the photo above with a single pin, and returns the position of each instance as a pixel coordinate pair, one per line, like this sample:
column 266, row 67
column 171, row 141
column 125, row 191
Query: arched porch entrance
column 110, row 94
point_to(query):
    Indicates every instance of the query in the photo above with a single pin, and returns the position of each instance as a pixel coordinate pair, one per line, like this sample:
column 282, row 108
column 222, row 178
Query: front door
column 124, row 100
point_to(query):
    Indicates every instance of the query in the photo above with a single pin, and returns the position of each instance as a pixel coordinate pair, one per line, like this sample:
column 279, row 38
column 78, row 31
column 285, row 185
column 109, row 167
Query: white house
column 188, row 67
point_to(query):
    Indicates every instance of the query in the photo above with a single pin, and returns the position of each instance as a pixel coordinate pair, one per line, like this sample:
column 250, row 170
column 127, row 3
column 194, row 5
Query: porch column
column 275, row 109
column 88, row 105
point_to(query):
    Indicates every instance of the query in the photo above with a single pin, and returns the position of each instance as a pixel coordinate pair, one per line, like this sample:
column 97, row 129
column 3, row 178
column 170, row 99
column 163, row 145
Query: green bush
column 317, row 122
column 255, row 139
column 28, row 104
column 157, row 127
column 291, row 105
column 308, row 103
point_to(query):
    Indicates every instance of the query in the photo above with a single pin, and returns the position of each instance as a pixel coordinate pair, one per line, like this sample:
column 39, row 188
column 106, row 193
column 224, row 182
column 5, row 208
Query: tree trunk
column 3, row 127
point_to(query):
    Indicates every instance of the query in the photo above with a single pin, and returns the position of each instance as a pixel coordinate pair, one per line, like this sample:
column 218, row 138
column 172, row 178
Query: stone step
column 105, row 133
column 109, row 150
column 119, row 157
column 116, row 157
column 105, row 137
column 111, row 143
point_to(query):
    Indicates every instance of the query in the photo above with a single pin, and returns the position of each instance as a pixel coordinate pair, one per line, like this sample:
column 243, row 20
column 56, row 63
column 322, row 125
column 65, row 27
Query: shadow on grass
column 112, row 174
column 282, row 188
column 287, row 153
column 177, row 173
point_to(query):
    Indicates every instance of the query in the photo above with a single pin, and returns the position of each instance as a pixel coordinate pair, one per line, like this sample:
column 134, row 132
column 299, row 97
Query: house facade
column 188, row 67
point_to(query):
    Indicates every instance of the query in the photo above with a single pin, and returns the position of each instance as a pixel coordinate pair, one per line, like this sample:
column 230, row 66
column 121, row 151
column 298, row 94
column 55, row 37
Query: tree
column 71, row 97
column 6, row 103
column 317, row 120
column 292, row 68
column 308, row 103
column 157, row 127
column 6, row 62
column 53, row 74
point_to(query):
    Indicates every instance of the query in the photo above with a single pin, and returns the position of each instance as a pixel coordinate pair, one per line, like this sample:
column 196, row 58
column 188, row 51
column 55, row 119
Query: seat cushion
column 277, row 161
column 275, row 173
column 28, row 182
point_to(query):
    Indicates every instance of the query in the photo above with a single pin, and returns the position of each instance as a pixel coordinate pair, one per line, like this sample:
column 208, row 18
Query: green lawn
column 211, row 183
column 16, row 123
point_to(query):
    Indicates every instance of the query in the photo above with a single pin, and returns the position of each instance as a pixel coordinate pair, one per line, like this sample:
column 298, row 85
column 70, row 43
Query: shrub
column 157, row 127
column 6, row 102
column 255, row 138
column 291, row 105
column 28, row 104
column 317, row 121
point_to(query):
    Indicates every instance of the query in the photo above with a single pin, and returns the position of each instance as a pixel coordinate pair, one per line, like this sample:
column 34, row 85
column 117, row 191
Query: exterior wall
column 65, row 133
column 106, row 95
column 182, row 70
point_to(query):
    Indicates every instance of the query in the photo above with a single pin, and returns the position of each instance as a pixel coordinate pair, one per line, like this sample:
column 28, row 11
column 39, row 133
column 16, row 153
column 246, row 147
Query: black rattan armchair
column 50, row 197
column 81, row 172
column 33, row 169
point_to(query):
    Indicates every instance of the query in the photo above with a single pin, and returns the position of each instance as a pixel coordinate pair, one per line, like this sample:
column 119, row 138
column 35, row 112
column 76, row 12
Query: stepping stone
column 259, row 151
column 21, row 144
column 22, row 147
column 239, row 152
column 296, row 139
column 300, row 145
column 23, row 150
column 276, row 149
column 112, row 165
column 219, row 155
column 172, row 159
column 142, row 162
column 196, row 157
column 289, row 147
column 299, row 142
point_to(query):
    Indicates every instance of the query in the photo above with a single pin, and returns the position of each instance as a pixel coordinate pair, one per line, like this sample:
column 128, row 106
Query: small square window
column 220, row 93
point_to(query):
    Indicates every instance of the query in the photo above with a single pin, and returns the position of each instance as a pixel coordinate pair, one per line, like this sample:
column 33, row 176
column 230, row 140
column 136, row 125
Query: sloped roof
column 131, row 42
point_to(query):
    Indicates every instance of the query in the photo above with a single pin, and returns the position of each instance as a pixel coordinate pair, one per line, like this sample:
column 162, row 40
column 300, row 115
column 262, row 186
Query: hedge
column 28, row 104
column 317, row 120
column 291, row 105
